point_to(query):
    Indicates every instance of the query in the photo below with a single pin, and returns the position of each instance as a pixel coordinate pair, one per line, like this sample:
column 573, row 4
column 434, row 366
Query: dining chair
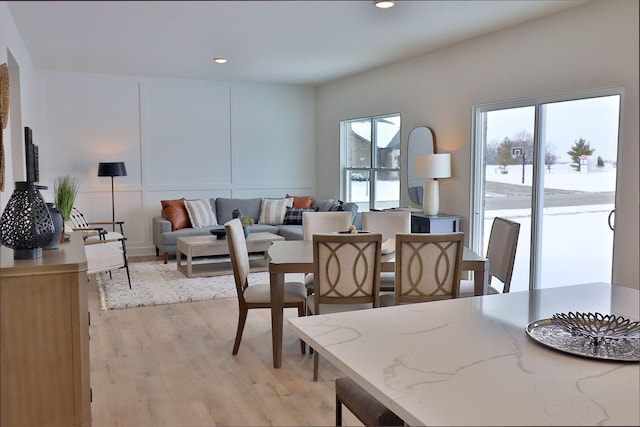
column 104, row 256
column 256, row 295
column 363, row 405
column 347, row 275
column 501, row 252
column 324, row 222
column 427, row 268
column 321, row 223
column 388, row 224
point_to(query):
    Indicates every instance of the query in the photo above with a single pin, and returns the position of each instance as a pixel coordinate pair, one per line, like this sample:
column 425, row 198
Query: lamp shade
column 431, row 166
column 112, row 169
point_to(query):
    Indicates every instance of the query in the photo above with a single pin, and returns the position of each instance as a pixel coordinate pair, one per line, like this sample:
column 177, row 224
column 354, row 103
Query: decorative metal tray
column 591, row 335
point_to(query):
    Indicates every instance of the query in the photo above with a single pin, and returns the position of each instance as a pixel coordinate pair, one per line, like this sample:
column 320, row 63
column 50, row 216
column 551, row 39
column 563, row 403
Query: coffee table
column 209, row 246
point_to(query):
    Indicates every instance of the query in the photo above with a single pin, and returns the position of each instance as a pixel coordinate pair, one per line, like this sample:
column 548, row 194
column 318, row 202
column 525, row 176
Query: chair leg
column 315, row 366
column 338, row 412
column 126, row 266
column 157, row 251
column 126, row 261
column 242, row 318
column 301, row 312
column 166, row 257
column 309, row 314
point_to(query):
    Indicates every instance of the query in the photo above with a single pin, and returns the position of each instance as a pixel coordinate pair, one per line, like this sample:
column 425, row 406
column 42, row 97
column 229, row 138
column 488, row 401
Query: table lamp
column 431, row 167
column 112, row 169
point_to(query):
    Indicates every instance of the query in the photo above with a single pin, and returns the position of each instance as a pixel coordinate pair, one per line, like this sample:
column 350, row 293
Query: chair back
column 324, row 222
column 77, row 219
column 501, row 251
column 347, row 269
column 239, row 255
column 428, row 266
column 387, row 223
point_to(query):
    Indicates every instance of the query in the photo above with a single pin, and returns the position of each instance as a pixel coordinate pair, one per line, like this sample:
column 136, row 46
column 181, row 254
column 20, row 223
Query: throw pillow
column 272, row 211
column 200, row 213
column 301, row 201
column 293, row 216
column 176, row 213
column 336, row 206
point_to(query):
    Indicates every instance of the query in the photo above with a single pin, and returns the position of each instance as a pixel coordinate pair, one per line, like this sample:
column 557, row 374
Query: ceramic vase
column 58, row 225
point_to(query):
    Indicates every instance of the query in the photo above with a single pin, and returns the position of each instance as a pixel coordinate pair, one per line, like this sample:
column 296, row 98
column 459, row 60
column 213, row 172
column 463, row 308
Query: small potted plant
column 65, row 188
column 247, row 222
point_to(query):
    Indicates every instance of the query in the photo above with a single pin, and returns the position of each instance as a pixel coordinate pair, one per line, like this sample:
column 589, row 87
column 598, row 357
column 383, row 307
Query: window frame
column 371, row 170
column 477, row 177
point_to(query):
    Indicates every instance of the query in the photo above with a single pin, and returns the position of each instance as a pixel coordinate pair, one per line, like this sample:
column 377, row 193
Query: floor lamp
column 112, row 169
column 431, row 167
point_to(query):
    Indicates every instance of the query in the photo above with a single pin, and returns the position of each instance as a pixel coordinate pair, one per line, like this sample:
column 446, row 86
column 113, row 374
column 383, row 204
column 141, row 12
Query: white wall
column 178, row 138
column 586, row 47
column 25, row 104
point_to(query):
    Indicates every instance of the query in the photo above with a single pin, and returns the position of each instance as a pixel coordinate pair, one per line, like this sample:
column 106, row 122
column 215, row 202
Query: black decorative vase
column 58, row 225
column 26, row 225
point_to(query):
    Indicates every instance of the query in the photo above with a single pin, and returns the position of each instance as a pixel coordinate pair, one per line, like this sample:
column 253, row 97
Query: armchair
column 95, row 230
column 103, row 256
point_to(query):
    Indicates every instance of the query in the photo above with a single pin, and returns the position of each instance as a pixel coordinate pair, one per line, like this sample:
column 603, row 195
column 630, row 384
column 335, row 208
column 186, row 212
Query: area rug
column 155, row 283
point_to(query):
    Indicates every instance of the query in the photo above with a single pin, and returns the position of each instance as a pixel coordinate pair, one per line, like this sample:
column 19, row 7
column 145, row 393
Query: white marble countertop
column 470, row 362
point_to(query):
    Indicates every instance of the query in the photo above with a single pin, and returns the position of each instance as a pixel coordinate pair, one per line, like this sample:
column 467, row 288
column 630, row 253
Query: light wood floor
column 171, row 365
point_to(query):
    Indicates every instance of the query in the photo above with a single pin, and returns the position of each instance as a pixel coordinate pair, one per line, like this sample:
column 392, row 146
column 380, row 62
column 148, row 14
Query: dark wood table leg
column 276, row 281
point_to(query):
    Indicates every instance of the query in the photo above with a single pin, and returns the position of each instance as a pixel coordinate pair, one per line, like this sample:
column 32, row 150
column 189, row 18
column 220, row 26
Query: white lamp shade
column 432, row 166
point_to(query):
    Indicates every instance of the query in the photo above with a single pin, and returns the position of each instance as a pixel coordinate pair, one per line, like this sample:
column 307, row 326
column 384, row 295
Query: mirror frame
column 422, row 140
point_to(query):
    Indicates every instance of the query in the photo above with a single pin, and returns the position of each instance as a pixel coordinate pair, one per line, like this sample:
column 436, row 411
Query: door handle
column 611, row 214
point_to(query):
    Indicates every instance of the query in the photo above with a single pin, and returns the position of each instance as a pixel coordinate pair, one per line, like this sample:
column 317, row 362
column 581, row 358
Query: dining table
column 296, row 256
column 505, row 359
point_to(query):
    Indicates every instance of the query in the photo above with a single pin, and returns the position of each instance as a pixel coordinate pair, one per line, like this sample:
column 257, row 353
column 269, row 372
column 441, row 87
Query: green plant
column 65, row 188
column 246, row 221
column 580, row 148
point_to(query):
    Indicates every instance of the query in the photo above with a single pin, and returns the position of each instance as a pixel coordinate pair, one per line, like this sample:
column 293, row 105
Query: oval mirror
column 421, row 141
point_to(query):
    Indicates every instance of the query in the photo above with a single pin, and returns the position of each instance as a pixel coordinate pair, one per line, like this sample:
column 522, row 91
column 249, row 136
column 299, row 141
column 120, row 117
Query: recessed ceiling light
column 384, row 4
column 220, row 60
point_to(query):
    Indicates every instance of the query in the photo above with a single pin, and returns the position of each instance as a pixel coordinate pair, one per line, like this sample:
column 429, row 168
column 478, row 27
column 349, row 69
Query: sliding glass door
column 551, row 166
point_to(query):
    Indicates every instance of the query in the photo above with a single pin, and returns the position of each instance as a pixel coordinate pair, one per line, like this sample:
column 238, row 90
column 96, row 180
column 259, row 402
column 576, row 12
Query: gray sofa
column 165, row 239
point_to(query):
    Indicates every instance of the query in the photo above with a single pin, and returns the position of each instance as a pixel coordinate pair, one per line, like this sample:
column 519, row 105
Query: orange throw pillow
column 176, row 213
column 301, row 201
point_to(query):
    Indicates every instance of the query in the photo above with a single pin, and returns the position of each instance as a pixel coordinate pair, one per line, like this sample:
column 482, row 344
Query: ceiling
column 291, row 42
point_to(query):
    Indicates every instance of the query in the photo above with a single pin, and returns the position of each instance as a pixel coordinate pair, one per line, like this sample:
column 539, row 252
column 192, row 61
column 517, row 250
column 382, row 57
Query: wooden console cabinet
column 44, row 338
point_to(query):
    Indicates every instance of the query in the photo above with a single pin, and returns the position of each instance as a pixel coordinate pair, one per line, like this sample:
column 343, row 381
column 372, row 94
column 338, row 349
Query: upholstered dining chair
column 427, row 268
column 501, row 252
column 388, row 224
column 347, row 275
column 324, row 222
column 255, row 295
column 320, row 223
column 105, row 255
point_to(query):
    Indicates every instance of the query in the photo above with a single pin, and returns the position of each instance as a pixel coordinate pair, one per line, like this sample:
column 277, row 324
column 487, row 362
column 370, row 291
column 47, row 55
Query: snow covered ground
column 562, row 177
column 577, row 243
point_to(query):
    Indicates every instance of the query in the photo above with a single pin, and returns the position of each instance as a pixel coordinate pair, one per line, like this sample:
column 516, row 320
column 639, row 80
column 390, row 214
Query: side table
column 441, row 223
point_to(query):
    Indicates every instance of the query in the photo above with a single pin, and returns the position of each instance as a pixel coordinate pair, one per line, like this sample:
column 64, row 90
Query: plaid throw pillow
column 294, row 215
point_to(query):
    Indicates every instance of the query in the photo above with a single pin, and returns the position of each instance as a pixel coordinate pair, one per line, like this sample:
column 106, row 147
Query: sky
column 594, row 119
